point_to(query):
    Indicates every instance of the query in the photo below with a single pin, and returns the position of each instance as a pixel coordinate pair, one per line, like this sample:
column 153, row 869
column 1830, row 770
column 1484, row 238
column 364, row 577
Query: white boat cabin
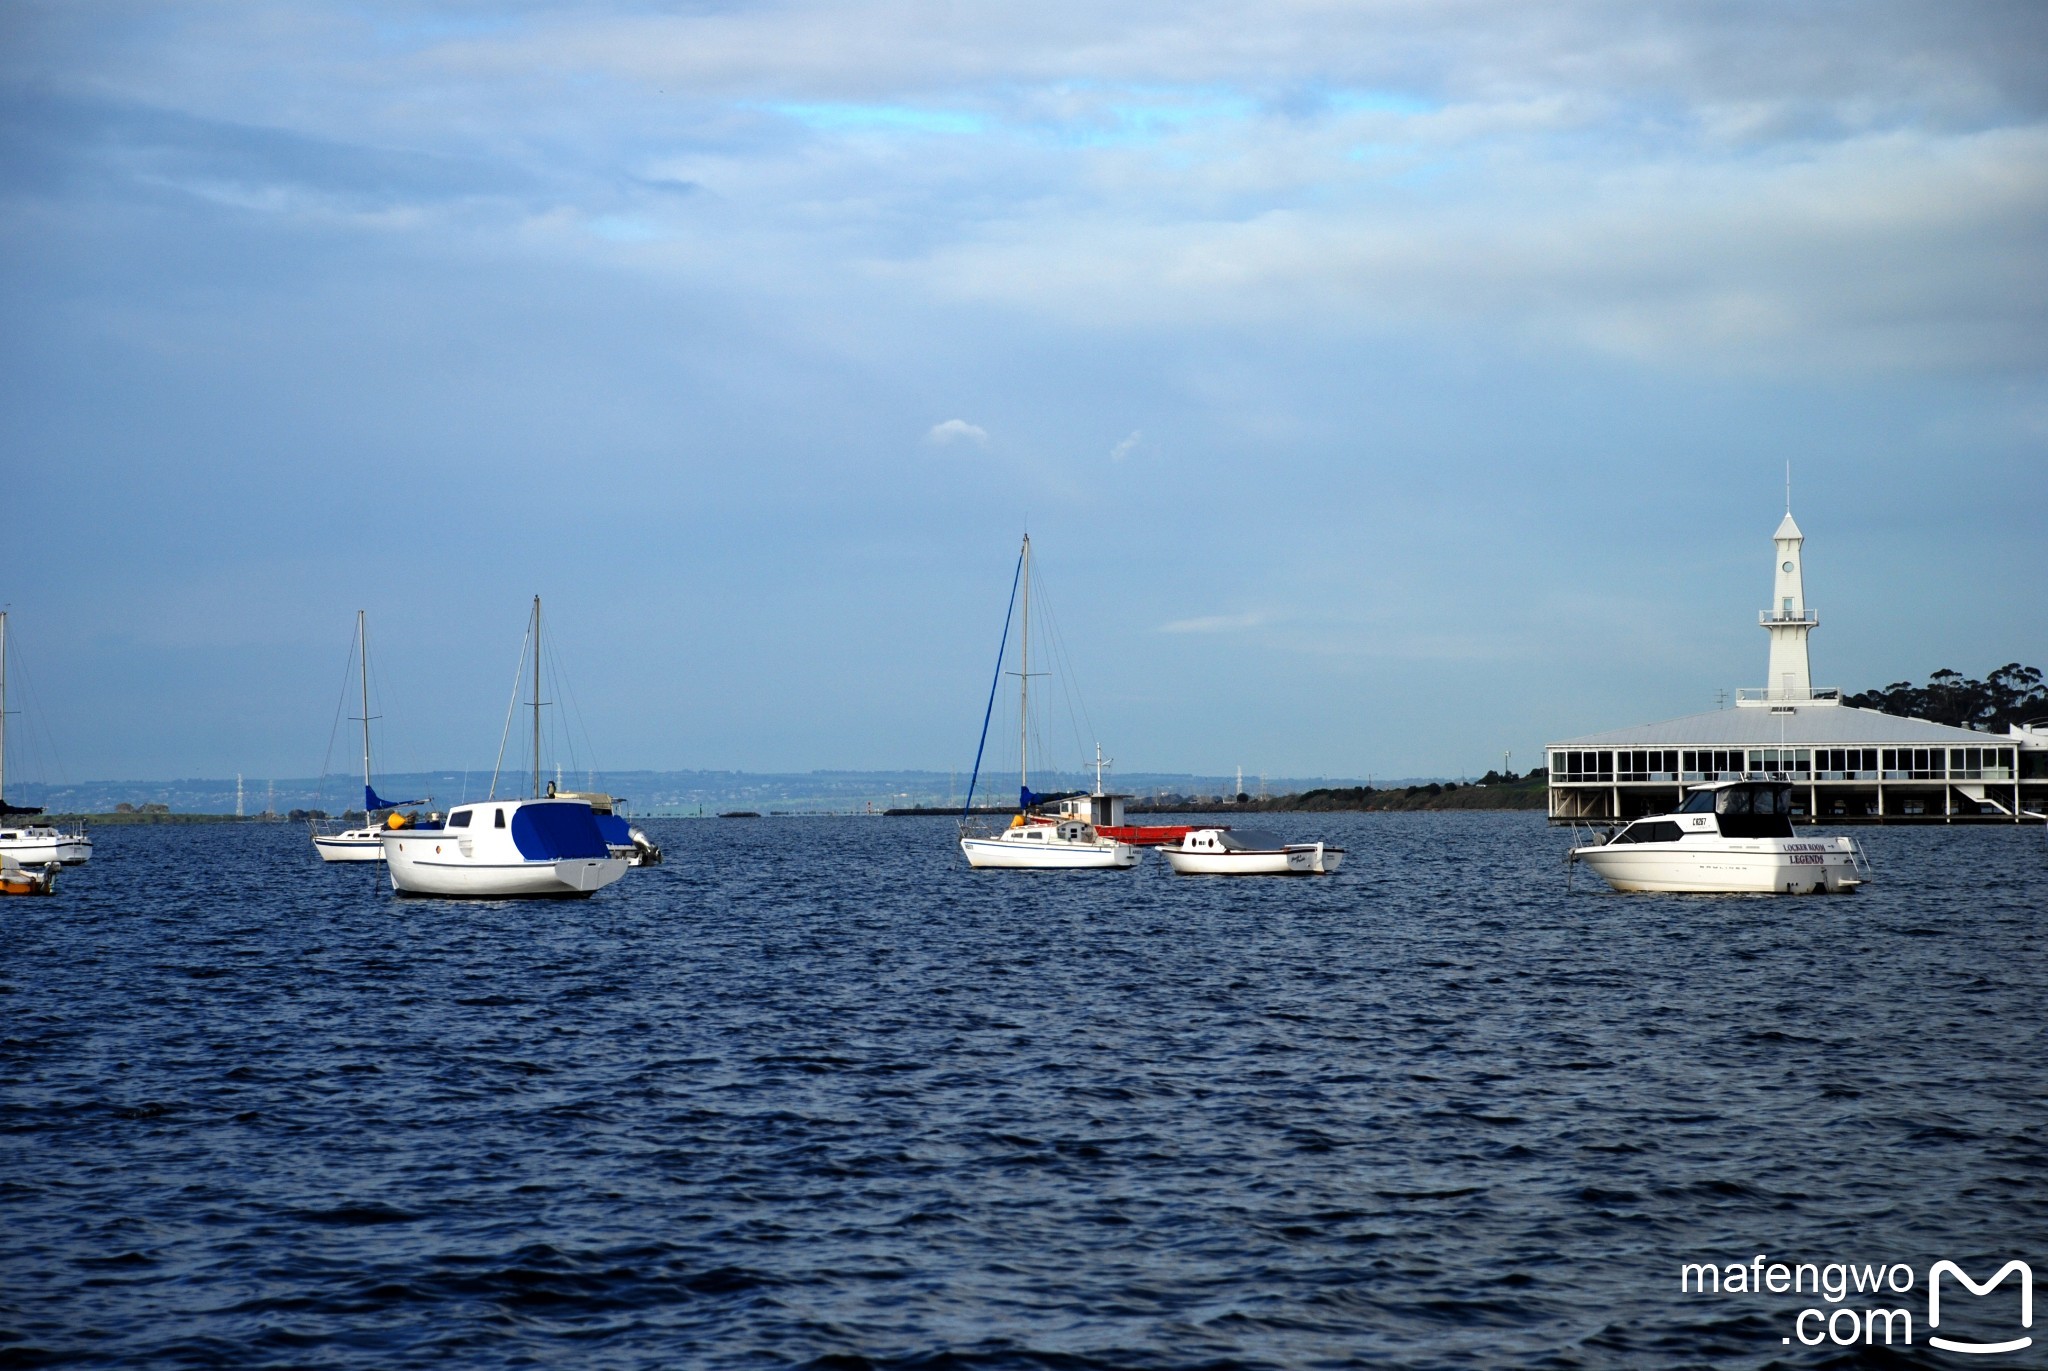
column 1103, row 811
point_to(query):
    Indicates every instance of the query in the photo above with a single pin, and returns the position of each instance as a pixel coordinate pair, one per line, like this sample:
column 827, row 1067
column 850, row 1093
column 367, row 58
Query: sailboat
column 1071, row 843
column 28, row 842
column 360, row 844
column 540, row 846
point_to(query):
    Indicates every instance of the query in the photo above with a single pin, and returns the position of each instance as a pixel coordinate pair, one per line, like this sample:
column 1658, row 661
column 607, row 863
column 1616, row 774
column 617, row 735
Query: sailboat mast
column 363, row 650
column 536, row 697
column 1024, row 682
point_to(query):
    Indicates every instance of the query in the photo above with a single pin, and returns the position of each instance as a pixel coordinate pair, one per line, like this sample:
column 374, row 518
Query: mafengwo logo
column 1949, row 1268
column 1850, row 1322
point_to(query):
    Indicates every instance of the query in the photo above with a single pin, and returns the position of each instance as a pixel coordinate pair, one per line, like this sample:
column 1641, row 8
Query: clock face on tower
column 1788, row 566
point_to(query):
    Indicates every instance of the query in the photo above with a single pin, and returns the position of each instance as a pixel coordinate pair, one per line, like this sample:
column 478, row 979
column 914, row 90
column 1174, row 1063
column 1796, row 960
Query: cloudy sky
column 1384, row 385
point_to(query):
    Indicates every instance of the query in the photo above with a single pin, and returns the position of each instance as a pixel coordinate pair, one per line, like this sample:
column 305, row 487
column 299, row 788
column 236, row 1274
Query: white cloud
column 1126, row 447
column 957, row 431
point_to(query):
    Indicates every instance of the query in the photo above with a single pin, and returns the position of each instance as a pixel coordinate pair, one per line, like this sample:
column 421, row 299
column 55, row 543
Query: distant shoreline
column 118, row 820
column 1354, row 799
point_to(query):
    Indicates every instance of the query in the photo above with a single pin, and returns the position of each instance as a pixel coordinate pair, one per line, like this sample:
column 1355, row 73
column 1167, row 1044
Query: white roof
column 1797, row 725
column 1788, row 529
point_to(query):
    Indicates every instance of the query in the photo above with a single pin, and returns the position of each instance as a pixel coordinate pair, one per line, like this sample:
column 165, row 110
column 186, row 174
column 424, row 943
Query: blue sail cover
column 371, row 800
column 554, row 830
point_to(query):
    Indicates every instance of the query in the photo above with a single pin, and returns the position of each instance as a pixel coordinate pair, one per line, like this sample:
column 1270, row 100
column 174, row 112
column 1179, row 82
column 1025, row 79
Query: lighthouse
column 1788, row 620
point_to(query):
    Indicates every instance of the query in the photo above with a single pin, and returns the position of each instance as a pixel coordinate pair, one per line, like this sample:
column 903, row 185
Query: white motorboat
column 501, row 849
column 1728, row 838
column 1247, row 852
column 1032, row 840
column 364, row 844
column 498, row 849
column 1070, row 845
column 41, row 844
column 30, row 841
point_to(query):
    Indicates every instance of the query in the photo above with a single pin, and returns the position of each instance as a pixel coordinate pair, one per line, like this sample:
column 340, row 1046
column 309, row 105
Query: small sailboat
column 1248, row 852
column 497, row 849
column 1071, row 843
column 1727, row 838
column 363, row 844
column 18, row 878
column 23, row 838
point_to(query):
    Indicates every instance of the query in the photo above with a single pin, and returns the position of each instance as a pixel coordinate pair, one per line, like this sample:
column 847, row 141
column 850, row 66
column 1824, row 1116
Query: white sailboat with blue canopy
column 1069, row 843
column 544, row 845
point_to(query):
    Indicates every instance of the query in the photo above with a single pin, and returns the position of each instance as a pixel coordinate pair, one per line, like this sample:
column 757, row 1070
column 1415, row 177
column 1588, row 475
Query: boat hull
column 994, row 853
column 1306, row 859
column 433, row 864
column 356, row 845
column 1693, row 866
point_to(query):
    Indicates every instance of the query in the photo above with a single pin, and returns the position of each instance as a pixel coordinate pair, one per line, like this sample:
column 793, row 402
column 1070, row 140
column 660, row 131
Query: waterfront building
column 1847, row 765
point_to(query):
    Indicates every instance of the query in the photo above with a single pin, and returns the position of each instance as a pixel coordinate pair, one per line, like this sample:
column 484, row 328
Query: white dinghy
column 1247, row 852
column 1728, row 838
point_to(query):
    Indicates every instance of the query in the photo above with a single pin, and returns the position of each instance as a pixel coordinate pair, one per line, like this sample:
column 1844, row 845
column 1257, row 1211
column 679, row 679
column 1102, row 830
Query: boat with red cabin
column 1105, row 811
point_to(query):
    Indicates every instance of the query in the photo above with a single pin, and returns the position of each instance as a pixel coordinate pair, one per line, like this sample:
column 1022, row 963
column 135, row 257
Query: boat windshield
column 1754, row 811
column 1249, row 840
column 1755, row 799
column 1699, row 802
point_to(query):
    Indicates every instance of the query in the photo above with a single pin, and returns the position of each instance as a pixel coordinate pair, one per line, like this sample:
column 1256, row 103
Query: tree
column 2010, row 695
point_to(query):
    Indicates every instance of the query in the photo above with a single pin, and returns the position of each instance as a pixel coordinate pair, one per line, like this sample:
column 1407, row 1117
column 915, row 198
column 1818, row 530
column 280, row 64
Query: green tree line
column 2012, row 694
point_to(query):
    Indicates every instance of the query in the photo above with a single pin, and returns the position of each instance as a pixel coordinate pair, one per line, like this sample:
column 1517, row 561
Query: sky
column 1385, row 386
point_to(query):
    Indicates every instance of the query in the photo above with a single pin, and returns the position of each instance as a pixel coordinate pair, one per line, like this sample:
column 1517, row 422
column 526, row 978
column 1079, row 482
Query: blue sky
column 1385, row 386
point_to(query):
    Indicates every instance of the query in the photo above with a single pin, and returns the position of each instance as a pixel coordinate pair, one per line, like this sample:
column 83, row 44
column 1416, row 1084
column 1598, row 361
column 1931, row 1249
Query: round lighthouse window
column 1788, row 566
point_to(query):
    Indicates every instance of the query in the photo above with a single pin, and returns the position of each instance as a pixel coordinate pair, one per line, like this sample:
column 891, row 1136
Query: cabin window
column 459, row 819
column 501, row 819
column 1699, row 802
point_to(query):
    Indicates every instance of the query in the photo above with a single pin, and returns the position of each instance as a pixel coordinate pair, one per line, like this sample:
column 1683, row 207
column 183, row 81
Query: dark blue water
column 813, row 1093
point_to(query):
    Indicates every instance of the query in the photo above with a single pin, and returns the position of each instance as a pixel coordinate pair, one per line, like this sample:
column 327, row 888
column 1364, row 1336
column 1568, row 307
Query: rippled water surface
column 813, row 1092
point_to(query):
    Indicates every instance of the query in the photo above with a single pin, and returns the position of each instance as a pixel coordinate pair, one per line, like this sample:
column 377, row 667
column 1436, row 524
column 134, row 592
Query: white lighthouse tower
column 1788, row 620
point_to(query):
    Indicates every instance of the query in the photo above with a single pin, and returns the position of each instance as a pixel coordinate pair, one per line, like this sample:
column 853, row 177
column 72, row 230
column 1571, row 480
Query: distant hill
column 1528, row 792
column 648, row 792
